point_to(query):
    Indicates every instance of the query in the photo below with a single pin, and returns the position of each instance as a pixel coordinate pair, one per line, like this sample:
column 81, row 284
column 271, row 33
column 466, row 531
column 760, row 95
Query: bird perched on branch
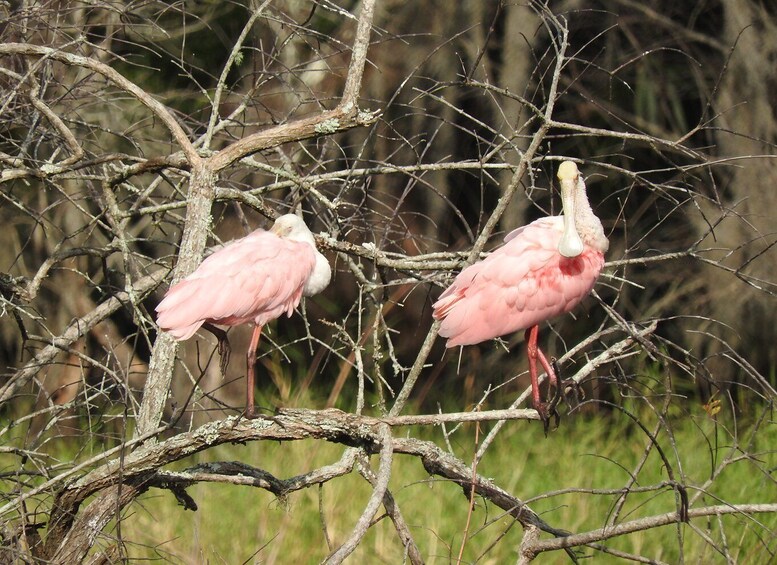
column 253, row 280
column 543, row 269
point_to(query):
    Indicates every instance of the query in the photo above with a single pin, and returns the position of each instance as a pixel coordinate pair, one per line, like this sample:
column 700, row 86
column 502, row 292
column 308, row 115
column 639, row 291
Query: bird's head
column 290, row 226
column 581, row 226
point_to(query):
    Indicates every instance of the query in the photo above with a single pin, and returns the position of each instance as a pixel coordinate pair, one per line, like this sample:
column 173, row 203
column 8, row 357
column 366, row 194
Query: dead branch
column 642, row 524
column 159, row 110
column 130, row 475
column 201, row 196
column 77, row 329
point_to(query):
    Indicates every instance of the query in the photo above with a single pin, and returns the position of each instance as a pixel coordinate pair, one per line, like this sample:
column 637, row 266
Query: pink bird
column 544, row 269
column 254, row 280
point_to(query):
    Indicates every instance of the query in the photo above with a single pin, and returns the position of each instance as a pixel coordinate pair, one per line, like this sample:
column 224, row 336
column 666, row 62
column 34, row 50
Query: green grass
column 236, row 524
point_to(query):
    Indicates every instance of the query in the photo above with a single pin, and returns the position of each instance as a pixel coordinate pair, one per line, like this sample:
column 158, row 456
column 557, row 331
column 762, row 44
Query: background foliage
column 465, row 110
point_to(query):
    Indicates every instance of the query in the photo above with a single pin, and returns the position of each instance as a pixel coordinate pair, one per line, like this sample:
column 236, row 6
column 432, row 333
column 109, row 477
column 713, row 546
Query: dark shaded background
column 451, row 81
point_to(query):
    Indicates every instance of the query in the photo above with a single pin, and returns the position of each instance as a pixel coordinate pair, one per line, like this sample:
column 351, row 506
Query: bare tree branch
column 77, row 329
column 130, row 138
column 159, row 110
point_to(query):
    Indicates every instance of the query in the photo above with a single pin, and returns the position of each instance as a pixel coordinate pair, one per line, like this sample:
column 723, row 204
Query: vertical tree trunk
column 521, row 23
column 90, row 522
column 202, row 187
column 745, row 102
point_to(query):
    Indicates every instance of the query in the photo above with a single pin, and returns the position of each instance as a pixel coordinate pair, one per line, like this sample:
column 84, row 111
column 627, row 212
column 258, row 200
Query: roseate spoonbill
column 254, row 279
column 543, row 269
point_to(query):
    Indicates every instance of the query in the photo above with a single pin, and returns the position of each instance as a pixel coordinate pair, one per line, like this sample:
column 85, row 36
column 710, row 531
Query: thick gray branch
column 641, row 524
column 202, row 186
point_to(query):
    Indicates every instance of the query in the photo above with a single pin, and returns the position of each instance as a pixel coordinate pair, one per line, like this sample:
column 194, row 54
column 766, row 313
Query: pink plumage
column 250, row 280
column 523, row 283
column 254, row 279
column 544, row 269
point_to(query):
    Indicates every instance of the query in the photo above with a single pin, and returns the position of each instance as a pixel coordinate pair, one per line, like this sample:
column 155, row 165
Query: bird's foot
column 250, row 413
column 556, row 385
column 546, row 412
column 225, row 349
column 570, row 391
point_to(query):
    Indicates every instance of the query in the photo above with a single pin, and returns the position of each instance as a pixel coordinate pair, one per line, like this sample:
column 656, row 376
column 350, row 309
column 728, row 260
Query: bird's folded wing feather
column 524, row 282
column 259, row 274
column 546, row 223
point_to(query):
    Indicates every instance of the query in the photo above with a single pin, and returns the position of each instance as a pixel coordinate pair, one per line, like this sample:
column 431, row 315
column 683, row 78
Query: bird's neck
column 588, row 225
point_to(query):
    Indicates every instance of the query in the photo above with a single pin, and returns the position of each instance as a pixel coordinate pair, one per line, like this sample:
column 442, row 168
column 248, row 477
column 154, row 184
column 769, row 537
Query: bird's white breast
column 319, row 278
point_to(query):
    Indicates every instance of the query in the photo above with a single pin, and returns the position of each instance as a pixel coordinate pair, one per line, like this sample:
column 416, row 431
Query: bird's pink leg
column 250, row 368
column 548, row 367
column 531, row 351
column 555, row 383
column 534, row 353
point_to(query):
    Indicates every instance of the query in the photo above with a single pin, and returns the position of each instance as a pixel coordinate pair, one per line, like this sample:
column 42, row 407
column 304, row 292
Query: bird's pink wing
column 253, row 279
column 524, row 282
column 548, row 222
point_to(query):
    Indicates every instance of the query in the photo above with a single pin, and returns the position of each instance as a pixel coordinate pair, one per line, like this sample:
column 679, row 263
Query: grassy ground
column 243, row 524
